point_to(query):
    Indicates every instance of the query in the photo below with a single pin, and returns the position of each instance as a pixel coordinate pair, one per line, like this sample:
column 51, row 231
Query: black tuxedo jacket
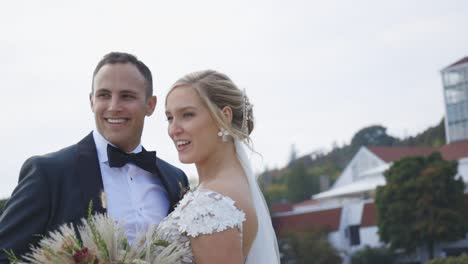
column 57, row 188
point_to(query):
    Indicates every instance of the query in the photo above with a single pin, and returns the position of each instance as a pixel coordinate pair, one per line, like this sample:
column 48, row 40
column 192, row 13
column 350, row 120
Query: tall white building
column 455, row 82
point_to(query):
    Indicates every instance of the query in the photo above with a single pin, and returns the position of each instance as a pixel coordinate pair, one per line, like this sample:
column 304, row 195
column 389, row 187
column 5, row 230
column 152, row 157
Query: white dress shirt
column 134, row 197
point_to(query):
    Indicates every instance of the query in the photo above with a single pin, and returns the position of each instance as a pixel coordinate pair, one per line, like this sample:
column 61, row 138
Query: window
column 455, row 95
column 354, row 238
column 452, row 78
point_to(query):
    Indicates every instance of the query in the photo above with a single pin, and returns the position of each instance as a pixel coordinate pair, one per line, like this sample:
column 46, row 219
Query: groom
column 140, row 189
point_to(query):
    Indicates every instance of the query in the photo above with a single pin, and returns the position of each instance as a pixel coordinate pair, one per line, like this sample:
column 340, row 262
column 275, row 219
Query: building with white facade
column 347, row 209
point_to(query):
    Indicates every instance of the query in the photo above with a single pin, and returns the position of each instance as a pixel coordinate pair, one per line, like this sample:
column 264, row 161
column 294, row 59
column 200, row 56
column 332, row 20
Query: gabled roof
column 452, row 151
column 356, row 187
column 461, row 61
column 389, row 154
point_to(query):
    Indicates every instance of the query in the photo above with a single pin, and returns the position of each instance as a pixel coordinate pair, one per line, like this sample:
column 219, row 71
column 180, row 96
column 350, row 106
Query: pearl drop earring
column 224, row 134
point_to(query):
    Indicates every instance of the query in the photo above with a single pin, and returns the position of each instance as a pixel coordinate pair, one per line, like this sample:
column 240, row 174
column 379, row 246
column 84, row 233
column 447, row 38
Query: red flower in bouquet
column 83, row 256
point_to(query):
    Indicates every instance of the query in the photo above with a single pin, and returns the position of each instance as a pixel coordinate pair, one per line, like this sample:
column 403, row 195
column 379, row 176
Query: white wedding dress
column 207, row 212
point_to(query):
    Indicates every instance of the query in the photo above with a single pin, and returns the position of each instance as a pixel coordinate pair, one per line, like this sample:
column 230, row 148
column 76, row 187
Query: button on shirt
column 134, row 196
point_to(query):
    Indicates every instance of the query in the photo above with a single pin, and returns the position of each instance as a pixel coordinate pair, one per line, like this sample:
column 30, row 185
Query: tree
column 462, row 259
column 370, row 255
column 300, row 183
column 293, row 154
column 274, row 193
column 421, row 204
column 332, row 163
column 433, row 136
column 310, row 246
column 373, row 135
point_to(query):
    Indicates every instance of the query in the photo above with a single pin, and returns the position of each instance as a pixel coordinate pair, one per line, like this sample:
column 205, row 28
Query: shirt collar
column 101, row 146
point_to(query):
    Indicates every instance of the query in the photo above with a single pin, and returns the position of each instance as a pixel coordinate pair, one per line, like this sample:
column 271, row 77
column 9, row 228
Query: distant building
column 347, row 209
column 455, row 81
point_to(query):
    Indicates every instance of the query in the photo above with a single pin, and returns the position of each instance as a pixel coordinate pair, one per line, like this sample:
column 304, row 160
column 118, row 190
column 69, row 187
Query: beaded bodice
column 198, row 213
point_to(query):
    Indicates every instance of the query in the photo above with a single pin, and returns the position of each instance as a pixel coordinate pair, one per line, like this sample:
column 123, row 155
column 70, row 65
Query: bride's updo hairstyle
column 217, row 91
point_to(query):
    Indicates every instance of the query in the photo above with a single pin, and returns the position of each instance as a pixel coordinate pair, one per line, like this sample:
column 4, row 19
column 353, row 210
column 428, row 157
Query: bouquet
column 102, row 241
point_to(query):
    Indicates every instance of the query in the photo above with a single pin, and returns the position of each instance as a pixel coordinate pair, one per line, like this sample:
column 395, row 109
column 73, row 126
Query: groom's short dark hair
column 122, row 57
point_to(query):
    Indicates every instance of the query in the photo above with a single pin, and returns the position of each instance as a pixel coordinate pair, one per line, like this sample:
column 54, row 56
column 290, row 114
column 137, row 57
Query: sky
column 316, row 71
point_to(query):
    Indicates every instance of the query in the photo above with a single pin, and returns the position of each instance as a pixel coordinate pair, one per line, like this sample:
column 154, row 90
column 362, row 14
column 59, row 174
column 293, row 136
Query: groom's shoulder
column 48, row 165
column 162, row 164
column 168, row 168
column 53, row 161
column 58, row 158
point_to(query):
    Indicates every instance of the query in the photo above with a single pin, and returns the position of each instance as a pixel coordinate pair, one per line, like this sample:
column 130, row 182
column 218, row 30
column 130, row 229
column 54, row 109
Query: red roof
column 369, row 215
column 389, row 154
column 452, row 151
column 307, row 202
column 455, row 150
column 328, row 219
column 281, row 207
column 464, row 60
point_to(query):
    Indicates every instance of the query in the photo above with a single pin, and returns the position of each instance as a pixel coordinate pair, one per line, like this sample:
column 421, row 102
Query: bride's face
column 191, row 127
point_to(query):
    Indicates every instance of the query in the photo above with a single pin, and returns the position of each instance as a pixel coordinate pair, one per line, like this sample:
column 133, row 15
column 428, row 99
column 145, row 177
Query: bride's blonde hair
column 217, row 91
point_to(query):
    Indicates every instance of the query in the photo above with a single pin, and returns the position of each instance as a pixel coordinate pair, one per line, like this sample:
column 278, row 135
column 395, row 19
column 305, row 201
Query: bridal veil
column 265, row 246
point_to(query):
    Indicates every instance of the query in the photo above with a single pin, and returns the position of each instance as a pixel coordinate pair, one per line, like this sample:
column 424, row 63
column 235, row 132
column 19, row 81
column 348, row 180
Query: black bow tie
column 145, row 159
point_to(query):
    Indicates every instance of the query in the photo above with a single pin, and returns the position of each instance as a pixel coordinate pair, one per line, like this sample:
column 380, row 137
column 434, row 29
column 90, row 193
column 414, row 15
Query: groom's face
column 120, row 104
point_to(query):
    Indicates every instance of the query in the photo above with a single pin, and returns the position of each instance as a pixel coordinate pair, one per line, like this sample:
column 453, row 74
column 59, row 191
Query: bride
column 225, row 220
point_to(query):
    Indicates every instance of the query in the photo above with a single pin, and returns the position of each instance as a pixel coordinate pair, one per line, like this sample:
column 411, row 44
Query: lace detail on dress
column 199, row 213
column 207, row 213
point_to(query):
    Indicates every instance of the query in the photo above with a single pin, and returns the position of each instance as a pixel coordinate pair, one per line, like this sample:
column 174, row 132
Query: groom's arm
column 26, row 213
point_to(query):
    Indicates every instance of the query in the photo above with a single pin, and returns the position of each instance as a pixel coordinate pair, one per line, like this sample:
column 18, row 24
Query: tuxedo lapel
column 170, row 183
column 89, row 174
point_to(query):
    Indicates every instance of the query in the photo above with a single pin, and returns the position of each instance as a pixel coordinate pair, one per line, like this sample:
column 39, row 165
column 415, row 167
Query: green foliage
column 333, row 162
column 311, row 246
column 12, row 259
column 296, row 183
column 373, row 136
column 328, row 169
column 432, row 137
column 274, row 193
column 293, row 154
column 421, row 204
column 462, row 259
column 300, row 183
column 273, row 187
column 370, row 255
